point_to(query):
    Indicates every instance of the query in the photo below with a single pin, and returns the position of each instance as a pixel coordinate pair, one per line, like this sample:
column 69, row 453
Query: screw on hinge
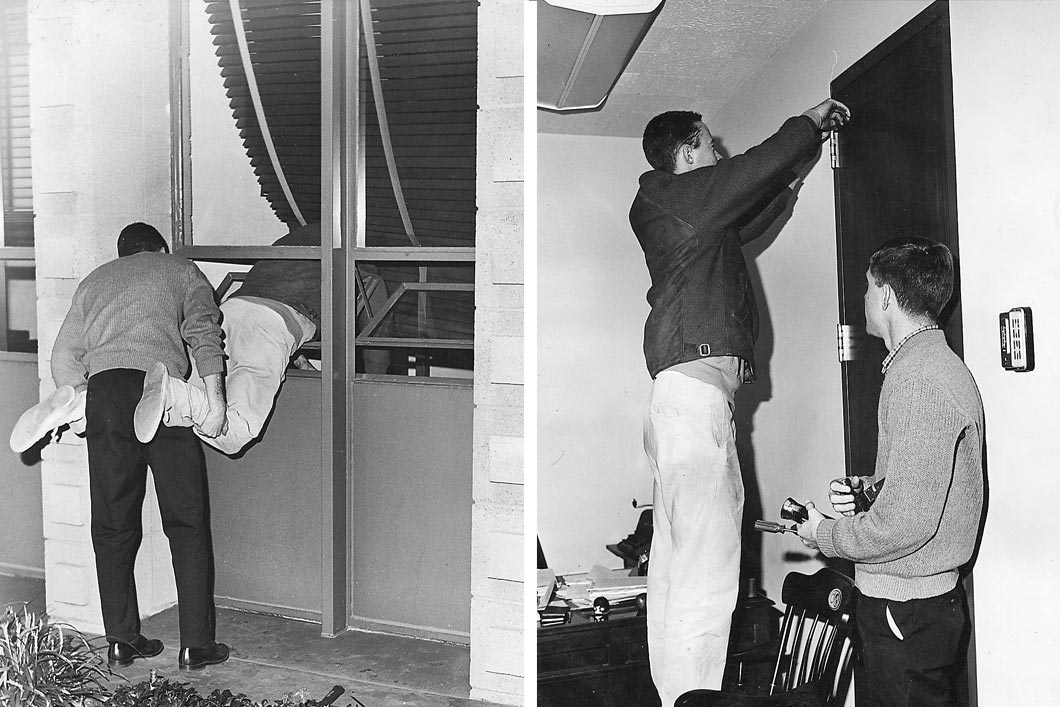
column 850, row 340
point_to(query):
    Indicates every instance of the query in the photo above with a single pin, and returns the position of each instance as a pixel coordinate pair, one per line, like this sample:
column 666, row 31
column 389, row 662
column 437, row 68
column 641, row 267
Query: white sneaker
column 59, row 408
column 152, row 403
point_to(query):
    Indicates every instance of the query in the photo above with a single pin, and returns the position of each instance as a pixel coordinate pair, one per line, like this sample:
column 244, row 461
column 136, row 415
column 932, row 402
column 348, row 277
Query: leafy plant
column 160, row 692
column 45, row 664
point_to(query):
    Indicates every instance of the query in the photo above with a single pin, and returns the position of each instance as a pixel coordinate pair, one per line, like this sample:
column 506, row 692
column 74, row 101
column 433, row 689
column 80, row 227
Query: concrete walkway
column 272, row 657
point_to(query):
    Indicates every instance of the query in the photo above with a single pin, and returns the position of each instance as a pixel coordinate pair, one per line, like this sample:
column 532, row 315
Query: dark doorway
column 896, row 176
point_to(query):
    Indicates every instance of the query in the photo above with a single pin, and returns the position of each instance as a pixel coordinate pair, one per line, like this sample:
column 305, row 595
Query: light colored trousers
column 258, row 345
column 694, row 565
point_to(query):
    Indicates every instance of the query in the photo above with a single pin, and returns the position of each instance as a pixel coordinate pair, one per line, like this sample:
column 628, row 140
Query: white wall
column 497, row 668
column 101, row 156
column 592, row 381
column 1006, row 92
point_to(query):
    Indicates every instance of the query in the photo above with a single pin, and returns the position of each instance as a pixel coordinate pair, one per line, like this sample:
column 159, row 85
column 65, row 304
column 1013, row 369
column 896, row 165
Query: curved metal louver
column 428, row 59
column 283, row 37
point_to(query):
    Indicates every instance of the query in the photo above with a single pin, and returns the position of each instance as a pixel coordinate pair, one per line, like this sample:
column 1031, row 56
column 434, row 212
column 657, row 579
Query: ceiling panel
column 696, row 56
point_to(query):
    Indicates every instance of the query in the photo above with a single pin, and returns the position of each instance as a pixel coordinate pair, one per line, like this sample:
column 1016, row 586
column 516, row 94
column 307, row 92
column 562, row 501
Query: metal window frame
column 21, row 254
column 343, row 238
column 8, row 253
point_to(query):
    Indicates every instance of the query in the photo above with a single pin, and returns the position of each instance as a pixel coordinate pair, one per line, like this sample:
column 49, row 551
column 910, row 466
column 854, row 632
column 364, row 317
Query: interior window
column 18, row 297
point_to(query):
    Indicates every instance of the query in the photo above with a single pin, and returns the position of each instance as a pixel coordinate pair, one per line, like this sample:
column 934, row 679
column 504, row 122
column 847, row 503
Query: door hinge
column 833, row 148
column 851, row 340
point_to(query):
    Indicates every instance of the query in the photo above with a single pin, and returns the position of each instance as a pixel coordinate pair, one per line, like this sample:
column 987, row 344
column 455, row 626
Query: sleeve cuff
column 824, row 538
column 210, row 365
column 807, row 115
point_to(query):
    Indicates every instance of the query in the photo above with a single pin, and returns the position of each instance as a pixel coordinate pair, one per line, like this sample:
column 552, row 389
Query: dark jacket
column 295, row 283
column 691, row 227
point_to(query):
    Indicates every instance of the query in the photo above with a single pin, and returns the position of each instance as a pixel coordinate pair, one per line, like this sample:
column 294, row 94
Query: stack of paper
column 581, row 589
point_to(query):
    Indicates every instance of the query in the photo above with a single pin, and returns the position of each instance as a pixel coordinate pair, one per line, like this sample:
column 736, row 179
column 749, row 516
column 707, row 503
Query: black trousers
column 919, row 669
column 117, row 464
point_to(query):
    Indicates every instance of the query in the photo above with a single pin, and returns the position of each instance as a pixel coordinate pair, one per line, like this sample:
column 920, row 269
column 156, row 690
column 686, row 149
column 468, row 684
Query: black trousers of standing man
column 117, row 464
column 911, row 650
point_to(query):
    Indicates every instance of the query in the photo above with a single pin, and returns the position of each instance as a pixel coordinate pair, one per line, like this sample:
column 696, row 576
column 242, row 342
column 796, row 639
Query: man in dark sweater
column 125, row 316
column 692, row 214
column 912, row 542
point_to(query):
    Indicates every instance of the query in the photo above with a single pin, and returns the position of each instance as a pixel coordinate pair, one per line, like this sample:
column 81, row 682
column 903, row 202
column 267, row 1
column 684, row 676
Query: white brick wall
column 100, row 115
column 497, row 517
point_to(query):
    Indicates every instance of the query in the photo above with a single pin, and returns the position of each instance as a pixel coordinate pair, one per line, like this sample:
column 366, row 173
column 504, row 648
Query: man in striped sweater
column 911, row 544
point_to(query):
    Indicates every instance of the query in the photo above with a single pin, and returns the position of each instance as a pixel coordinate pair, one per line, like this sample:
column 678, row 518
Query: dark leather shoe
column 198, row 658
column 123, row 653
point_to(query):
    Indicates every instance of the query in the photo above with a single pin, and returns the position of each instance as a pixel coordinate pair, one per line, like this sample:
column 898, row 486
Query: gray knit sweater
column 923, row 526
column 134, row 311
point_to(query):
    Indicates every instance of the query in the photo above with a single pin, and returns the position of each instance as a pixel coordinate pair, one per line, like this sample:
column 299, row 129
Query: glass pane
column 16, row 184
column 418, row 83
column 20, row 306
column 254, row 120
column 419, row 96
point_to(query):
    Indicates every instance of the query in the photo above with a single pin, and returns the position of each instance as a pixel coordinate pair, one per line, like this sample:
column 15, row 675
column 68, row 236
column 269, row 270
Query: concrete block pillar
column 497, row 516
column 99, row 77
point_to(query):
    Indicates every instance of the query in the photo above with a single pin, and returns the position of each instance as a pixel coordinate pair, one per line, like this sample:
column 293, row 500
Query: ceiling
column 696, row 56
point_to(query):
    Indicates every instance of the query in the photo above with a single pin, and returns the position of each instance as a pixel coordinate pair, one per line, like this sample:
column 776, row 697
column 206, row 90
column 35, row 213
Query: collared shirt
column 907, row 337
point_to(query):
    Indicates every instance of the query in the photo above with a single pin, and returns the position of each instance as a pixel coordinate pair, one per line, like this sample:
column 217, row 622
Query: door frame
column 951, row 317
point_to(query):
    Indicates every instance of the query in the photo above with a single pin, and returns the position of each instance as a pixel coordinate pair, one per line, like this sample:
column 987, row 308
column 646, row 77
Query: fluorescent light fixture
column 583, row 47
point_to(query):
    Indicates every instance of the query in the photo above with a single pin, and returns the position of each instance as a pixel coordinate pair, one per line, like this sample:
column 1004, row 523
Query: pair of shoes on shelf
column 123, row 653
column 56, row 410
column 198, row 658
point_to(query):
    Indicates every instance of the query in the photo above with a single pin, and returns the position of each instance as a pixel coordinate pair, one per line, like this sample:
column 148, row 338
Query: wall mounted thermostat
column 1017, row 340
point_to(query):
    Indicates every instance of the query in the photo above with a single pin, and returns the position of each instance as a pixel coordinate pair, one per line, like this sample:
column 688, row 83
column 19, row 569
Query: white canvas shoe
column 59, row 408
column 152, row 403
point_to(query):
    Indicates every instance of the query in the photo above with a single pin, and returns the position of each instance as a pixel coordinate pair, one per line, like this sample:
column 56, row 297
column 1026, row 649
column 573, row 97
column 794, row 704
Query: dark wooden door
column 895, row 177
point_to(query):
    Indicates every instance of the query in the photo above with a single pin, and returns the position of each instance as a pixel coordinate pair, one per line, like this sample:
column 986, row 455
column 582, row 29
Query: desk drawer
column 606, row 687
column 591, row 645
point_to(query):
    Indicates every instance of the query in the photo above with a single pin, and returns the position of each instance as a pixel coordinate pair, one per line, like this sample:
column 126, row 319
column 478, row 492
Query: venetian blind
column 283, row 37
column 16, row 177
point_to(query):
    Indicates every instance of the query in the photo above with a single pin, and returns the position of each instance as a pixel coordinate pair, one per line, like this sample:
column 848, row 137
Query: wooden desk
column 605, row 664
column 595, row 664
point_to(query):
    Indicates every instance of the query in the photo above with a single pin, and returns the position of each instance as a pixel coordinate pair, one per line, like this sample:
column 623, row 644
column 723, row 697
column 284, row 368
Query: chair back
column 815, row 642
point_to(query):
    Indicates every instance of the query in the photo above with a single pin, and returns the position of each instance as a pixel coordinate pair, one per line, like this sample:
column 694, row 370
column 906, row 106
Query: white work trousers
column 258, row 345
column 694, row 565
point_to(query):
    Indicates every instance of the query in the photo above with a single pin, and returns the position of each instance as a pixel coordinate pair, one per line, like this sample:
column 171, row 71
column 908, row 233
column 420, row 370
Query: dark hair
column 666, row 133
column 920, row 271
column 139, row 238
